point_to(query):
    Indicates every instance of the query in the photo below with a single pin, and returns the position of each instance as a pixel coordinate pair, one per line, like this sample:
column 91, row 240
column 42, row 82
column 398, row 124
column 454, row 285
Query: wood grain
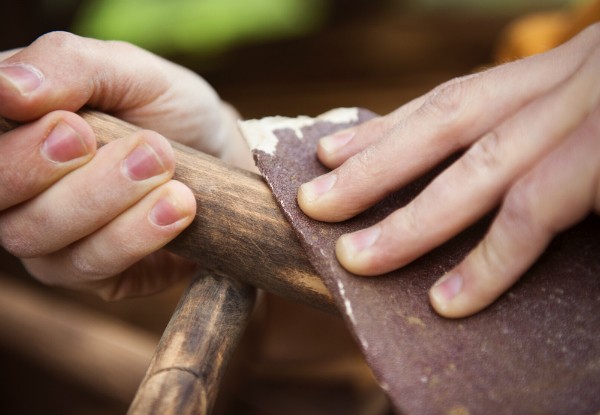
column 193, row 353
column 239, row 231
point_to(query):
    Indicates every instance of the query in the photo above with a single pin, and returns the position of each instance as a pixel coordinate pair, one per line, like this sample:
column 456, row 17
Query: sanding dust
column 259, row 134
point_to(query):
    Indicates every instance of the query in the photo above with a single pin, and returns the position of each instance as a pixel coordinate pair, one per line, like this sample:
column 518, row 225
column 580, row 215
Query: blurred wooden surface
column 376, row 61
column 99, row 352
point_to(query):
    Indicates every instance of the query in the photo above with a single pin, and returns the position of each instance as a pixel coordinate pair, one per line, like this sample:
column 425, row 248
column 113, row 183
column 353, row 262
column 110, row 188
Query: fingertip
column 20, row 79
column 84, row 134
column 305, row 201
column 443, row 296
column 21, row 87
column 354, row 252
column 162, row 147
column 314, row 198
column 332, row 149
column 457, row 294
column 175, row 208
column 150, row 157
column 346, row 255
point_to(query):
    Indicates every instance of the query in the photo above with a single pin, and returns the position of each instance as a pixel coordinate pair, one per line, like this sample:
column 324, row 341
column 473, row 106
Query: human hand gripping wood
column 227, row 239
column 238, row 234
column 238, row 231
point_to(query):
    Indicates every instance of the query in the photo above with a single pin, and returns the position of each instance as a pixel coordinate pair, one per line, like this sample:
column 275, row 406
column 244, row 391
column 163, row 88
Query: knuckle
column 592, row 31
column 123, row 46
column 485, row 155
column 64, row 41
column 366, row 168
column 84, row 267
column 371, row 161
column 15, row 241
column 377, row 127
column 516, row 216
column 363, row 163
column 447, row 101
column 517, row 210
column 492, row 259
column 139, row 55
column 407, row 222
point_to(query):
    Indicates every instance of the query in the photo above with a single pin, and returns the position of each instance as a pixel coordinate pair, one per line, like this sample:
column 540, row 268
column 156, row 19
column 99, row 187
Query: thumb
column 62, row 71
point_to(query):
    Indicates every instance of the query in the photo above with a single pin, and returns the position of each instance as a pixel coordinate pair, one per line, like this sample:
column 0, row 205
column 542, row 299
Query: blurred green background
column 212, row 26
column 206, row 27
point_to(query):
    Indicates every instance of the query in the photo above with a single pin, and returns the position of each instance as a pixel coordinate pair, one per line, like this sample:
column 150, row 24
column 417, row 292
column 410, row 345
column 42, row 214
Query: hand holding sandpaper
column 529, row 132
column 533, row 351
column 530, row 135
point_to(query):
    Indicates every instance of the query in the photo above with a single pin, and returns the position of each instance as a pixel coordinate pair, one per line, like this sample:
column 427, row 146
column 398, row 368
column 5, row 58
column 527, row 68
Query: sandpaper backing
column 535, row 350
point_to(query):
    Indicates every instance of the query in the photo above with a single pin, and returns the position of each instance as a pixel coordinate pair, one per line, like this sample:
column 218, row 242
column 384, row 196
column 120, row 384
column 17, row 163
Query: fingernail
column 24, row 78
column 318, row 187
column 63, row 144
column 447, row 287
column 165, row 213
column 143, row 163
column 362, row 240
column 334, row 142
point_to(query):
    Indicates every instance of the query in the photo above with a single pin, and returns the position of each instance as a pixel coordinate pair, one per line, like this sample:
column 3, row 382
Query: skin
column 96, row 219
column 530, row 132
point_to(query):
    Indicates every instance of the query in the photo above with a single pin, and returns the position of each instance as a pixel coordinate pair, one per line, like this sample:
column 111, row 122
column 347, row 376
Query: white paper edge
column 259, row 133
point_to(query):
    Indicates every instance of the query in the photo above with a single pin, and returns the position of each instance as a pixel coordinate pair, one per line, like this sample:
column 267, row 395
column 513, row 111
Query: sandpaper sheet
column 536, row 350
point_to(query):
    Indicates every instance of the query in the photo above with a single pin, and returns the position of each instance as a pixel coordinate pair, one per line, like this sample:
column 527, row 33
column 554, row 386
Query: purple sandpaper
column 535, row 350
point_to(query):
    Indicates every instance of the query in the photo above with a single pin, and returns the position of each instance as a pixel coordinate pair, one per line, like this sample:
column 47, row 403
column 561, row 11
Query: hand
column 531, row 134
column 96, row 219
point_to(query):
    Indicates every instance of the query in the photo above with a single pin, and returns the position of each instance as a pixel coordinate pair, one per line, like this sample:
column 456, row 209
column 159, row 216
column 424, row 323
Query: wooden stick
column 193, row 353
column 239, row 230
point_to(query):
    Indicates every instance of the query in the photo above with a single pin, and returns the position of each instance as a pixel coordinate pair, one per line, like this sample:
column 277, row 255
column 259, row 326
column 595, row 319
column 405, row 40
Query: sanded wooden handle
column 192, row 356
column 239, row 231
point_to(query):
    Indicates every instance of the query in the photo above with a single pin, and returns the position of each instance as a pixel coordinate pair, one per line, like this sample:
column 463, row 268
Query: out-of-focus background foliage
column 211, row 26
column 265, row 57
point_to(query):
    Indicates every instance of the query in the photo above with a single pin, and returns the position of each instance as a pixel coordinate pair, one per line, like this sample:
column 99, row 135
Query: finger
column 120, row 174
column 154, row 273
column 107, row 253
column 335, row 149
column 34, row 156
column 451, row 117
column 558, row 193
column 8, row 53
column 63, row 71
column 41, row 78
column 476, row 182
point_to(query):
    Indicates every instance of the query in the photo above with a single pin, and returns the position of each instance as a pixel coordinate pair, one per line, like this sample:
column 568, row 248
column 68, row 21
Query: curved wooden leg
column 193, row 353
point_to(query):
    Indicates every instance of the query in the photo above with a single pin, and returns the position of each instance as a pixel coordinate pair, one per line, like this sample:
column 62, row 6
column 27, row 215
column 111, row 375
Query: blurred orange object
column 538, row 32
